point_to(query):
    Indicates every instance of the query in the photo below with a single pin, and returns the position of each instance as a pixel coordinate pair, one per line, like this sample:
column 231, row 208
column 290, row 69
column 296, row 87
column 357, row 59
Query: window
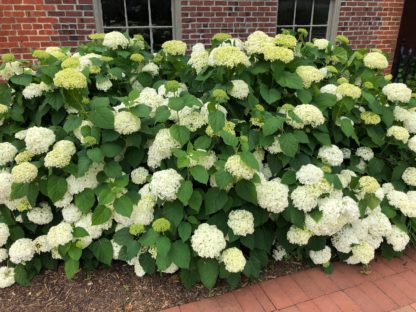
column 156, row 20
column 319, row 17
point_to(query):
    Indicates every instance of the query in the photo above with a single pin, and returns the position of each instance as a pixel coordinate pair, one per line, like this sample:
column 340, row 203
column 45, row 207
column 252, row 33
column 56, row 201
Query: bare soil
column 114, row 288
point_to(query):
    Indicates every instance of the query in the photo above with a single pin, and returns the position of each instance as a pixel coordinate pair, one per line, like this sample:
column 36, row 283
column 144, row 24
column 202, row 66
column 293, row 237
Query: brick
column 276, row 294
column 344, row 302
column 361, row 299
column 323, row 280
column 378, row 296
column 190, row 307
column 391, row 290
column 326, row 304
column 229, row 303
column 307, row 306
column 247, row 300
column 262, row 298
column 310, row 288
column 208, row 305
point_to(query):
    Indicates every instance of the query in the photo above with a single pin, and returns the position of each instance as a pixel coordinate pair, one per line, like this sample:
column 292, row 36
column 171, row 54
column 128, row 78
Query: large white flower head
column 331, row 89
column 89, row 180
column 174, row 47
column 6, row 277
column 71, row 213
column 239, row 90
column 150, row 97
column 241, row 222
column 298, row 236
column 21, row 251
column 39, row 139
column 199, row 58
column 309, row 174
column 190, row 117
column 40, row 244
column 238, row 168
column 320, row 256
column 409, row 176
column 208, row 241
column 126, row 123
column 273, row 53
column 7, row 153
column 234, row 260
column 35, row 90
column 348, row 89
column 61, row 154
column 331, row 155
column 366, row 153
column 4, row 234
column 305, row 197
column 24, row 173
column 165, row 184
column 412, row 144
column 309, row 75
column 114, row 40
column 321, row 44
column 103, row 84
column 408, row 207
column 397, row 92
column 309, row 115
column 59, row 234
column 40, row 215
column 274, row 148
column 257, row 42
column 285, row 40
column 139, row 175
column 228, row 56
column 151, row 68
column 143, row 212
column 361, row 253
column 375, row 60
column 272, row 195
column 410, row 123
column 206, row 161
column 161, row 148
column 399, row 133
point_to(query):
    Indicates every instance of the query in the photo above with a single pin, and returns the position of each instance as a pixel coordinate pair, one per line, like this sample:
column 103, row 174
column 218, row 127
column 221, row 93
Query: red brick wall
column 371, row 23
column 34, row 24
column 203, row 18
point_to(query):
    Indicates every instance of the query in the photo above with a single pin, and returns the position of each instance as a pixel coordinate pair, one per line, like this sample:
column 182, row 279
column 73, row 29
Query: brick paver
column 390, row 286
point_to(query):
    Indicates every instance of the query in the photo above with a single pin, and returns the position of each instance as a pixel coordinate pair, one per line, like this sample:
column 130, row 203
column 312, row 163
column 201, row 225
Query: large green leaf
column 215, row 200
column 208, row 270
column 103, row 250
column 289, row 80
column 216, row 120
column 180, row 254
column 270, row 95
column 289, row 144
column 101, row 215
column 102, row 117
column 272, row 124
column 85, row 200
column 123, row 205
column 200, row 174
column 57, row 187
column 180, row 134
column 247, row 191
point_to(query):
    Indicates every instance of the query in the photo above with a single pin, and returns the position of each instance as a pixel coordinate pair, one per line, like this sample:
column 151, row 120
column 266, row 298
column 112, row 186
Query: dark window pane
column 303, row 12
column 160, row 36
column 319, row 32
column 285, row 12
column 321, row 11
column 144, row 32
column 161, row 12
column 137, row 12
column 113, row 13
column 280, row 29
column 107, row 30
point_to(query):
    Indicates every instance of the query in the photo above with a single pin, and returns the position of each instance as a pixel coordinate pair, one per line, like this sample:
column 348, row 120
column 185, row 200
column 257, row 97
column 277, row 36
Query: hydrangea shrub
column 212, row 163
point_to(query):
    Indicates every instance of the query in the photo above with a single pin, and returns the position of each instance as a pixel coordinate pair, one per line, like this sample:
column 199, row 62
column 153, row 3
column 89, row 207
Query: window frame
column 176, row 20
column 331, row 25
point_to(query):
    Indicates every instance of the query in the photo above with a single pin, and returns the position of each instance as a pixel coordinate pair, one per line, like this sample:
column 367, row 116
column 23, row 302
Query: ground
column 114, row 288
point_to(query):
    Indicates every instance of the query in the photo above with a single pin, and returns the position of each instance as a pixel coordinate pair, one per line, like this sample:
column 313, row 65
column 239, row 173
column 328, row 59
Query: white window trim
column 332, row 24
column 176, row 20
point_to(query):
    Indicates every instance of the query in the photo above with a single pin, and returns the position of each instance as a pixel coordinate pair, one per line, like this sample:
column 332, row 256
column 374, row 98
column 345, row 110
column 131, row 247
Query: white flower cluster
column 24, row 173
column 59, row 234
column 61, row 154
column 309, row 115
column 320, row 256
column 126, row 123
column 375, row 60
column 199, row 58
column 39, row 139
column 309, row 174
column 161, row 148
column 139, row 175
column 35, row 90
column 165, row 184
column 208, row 241
column 7, row 153
column 40, row 215
column 241, row 222
column 238, row 168
column 89, row 180
column 233, row 259
column 115, row 39
column 239, row 90
column 397, row 92
column 309, row 74
column 150, row 97
column 272, row 195
column 331, row 155
column 21, row 251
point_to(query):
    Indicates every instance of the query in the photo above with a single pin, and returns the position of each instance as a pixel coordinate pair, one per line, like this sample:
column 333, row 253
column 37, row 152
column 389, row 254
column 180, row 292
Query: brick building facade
column 34, row 24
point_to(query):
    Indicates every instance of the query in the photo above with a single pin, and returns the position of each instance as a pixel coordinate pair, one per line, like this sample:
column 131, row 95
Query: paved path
column 391, row 286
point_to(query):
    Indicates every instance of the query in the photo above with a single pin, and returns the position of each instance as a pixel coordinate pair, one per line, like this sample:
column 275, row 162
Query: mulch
column 115, row 288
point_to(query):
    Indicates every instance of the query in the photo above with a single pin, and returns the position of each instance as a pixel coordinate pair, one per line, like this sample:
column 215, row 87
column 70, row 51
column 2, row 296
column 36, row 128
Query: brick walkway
column 391, row 286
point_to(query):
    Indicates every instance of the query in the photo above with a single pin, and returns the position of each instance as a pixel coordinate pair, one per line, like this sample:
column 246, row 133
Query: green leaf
column 71, row 267
column 185, row 192
column 79, row 232
column 289, row 177
column 5, row 93
column 176, row 103
column 341, row 54
column 195, row 201
column 215, row 200
column 184, row 231
column 322, row 137
column 124, row 205
column 113, row 169
column 249, row 159
column 111, row 150
column 102, row 117
column 229, row 138
column 247, row 191
column 289, row 144
column 21, row 80
column 270, row 95
column 200, row 174
column 347, row 127
column 101, row 215
column 95, row 155
column 325, row 100
column 72, row 122
column 272, row 124
column 74, row 252
column 305, row 96
column 289, row 80
column 57, row 187
column 294, row 216
column 141, row 111
column 180, row 134
column 162, row 114
column 103, row 250
column 216, row 120
column 203, row 142
column 208, row 270
column 20, row 275
column 180, row 254
column 85, row 200
column 174, row 212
